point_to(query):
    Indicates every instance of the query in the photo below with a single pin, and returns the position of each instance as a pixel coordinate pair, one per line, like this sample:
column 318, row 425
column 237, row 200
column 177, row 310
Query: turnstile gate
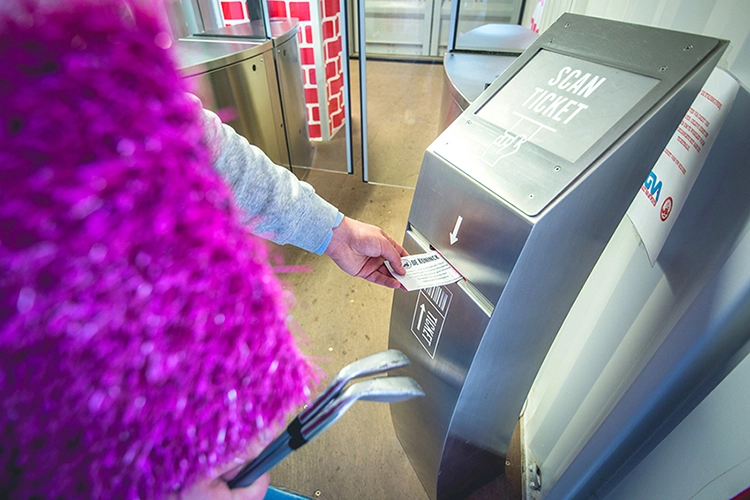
column 520, row 194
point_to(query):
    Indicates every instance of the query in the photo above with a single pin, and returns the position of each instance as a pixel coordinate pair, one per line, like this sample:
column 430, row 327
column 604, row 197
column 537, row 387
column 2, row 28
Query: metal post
column 266, row 19
column 344, row 28
column 455, row 9
column 363, row 88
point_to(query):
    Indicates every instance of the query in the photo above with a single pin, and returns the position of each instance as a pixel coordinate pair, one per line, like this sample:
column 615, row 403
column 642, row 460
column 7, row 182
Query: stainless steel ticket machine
column 520, row 194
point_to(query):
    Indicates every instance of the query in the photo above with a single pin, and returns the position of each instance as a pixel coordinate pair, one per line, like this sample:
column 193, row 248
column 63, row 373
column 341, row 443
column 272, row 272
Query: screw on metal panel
column 531, row 195
column 551, row 40
column 468, row 122
column 318, row 493
column 688, row 47
column 663, row 68
column 567, row 25
column 557, row 168
column 536, row 477
column 507, row 463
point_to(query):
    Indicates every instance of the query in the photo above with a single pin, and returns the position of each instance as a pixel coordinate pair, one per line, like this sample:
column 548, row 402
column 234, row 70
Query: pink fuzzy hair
column 143, row 336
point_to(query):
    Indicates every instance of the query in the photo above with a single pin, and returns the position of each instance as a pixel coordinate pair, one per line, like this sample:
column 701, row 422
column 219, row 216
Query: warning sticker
column 429, row 316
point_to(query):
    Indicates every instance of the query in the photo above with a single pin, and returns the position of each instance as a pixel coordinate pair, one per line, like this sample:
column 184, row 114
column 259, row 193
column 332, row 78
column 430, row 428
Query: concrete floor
column 339, row 319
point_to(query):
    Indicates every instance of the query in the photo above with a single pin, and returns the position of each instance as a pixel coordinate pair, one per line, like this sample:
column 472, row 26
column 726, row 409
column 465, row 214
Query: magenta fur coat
column 143, row 335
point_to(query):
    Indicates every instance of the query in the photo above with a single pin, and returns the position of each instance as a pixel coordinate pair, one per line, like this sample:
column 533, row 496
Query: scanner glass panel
column 564, row 104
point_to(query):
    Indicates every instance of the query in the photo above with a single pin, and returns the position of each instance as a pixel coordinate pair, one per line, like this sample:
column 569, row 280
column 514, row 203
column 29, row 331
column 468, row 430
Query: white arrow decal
column 421, row 315
column 454, row 234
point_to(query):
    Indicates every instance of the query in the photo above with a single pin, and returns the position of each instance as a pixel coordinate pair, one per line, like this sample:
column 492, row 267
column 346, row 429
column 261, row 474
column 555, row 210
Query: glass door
column 402, row 76
column 475, row 13
column 420, row 28
column 399, row 27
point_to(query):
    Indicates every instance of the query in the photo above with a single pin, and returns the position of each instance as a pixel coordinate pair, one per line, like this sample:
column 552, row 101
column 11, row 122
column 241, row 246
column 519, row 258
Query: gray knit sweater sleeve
column 277, row 205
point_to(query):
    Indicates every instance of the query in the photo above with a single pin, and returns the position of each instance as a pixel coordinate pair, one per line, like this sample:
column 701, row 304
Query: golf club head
column 387, row 389
column 375, row 363
column 370, row 365
column 383, row 390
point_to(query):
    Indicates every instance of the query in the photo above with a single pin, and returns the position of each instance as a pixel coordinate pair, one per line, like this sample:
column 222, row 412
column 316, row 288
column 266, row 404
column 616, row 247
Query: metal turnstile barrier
column 521, row 194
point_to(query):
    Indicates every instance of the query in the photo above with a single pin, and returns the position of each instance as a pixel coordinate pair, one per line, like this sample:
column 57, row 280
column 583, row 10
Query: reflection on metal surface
column 195, row 58
column 205, row 14
column 485, row 53
column 255, row 85
column 238, row 81
column 289, row 71
column 496, row 39
column 538, row 217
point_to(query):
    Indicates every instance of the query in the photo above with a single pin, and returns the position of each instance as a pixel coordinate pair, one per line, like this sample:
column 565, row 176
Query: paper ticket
column 424, row 271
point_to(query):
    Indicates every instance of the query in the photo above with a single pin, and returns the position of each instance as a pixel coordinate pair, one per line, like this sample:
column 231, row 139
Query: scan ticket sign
column 563, row 104
column 663, row 194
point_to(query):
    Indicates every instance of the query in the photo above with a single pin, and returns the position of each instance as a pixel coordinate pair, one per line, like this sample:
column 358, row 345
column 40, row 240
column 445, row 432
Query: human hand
column 214, row 486
column 217, row 489
column 361, row 249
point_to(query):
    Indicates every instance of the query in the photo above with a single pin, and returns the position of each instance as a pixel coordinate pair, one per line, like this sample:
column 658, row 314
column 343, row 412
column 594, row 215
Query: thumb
column 392, row 252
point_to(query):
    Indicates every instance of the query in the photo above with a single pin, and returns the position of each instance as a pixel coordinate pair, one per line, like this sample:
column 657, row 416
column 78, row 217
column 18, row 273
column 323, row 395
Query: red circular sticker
column 666, row 209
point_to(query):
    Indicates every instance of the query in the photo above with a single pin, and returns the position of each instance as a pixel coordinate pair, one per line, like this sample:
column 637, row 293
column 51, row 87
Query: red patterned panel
column 337, row 120
column 330, row 7
column 315, row 131
column 311, row 96
column 327, row 29
column 300, row 10
column 320, row 47
column 307, row 56
column 333, row 48
column 232, row 11
column 330, row 69
column 277, row 8
column 336, row 84
column 333, row 105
